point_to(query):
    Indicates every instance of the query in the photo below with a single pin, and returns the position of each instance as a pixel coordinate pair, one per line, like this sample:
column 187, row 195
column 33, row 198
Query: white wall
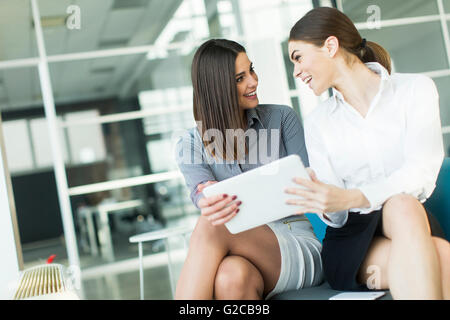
column 9, row 267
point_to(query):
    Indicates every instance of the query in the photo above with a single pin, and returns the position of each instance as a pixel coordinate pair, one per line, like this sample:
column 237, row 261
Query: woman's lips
column 251, row 95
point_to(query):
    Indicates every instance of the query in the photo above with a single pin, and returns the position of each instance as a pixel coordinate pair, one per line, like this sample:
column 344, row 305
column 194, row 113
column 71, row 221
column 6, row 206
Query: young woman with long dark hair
column 375, row 147
column 263, row 261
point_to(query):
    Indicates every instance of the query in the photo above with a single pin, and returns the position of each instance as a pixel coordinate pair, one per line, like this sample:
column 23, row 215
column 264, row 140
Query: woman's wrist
column 356, row 199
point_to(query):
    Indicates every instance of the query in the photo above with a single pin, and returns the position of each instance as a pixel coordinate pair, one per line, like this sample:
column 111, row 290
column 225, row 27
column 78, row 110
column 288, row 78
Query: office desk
column 101, row 213
column 104, row 232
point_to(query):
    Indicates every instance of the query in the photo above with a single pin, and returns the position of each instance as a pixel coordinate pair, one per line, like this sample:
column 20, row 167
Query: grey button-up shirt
column 278, row 130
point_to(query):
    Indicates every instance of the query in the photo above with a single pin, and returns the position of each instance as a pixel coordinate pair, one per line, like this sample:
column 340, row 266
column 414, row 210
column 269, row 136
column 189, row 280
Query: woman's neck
column 358, row 85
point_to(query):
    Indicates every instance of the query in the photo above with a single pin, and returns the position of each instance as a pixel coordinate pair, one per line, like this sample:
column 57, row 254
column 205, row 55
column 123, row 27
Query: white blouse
column 396, row 148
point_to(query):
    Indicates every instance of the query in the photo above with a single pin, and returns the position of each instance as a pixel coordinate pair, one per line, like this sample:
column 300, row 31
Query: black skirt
column 344, row 249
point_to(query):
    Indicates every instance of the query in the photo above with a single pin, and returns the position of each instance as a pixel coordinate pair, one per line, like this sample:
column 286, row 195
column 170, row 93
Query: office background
column 92, row 100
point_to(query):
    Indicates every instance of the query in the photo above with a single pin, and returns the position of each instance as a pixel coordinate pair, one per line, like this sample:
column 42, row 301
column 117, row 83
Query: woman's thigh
column 374, row 269
column 259, row 246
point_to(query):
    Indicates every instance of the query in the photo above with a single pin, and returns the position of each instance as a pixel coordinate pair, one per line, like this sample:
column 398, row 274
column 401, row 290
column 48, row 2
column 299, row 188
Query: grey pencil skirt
column 301, row 264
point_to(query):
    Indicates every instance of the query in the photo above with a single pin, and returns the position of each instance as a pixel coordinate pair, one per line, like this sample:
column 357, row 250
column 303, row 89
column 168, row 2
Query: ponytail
column 373, row 52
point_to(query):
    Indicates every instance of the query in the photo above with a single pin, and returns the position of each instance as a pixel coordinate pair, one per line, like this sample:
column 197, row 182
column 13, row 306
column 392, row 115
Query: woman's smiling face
column 312, row 64
column 246, row 82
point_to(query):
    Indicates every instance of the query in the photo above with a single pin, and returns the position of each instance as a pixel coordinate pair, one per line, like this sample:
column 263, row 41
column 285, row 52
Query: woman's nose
column 297, row 71
column 253, row 80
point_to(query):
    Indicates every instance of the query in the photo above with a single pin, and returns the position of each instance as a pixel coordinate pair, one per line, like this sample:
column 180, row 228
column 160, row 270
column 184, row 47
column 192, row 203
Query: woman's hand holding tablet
column 319, row 197
column 220, row 208
column 260, row 190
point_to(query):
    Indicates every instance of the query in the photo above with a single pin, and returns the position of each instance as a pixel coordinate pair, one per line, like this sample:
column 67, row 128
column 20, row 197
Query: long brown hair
column 215, row 92
column 320, row 23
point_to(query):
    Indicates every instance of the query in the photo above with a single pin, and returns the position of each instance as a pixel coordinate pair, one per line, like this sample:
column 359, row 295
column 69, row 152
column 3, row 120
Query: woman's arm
column 423, row 149
column 324, row 198
column 328, row 194
column 189, row 157
column 198, row 175
column 423, row 152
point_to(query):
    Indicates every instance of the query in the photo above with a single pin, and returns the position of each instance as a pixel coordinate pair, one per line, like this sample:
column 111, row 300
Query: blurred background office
column 93, row 96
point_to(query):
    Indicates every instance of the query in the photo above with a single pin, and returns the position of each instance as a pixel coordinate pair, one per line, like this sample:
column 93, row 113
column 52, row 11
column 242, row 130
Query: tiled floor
column 125, row 286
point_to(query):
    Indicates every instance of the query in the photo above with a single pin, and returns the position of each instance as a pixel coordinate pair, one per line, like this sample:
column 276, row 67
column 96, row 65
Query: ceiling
column 361, row 11
column 105, row 24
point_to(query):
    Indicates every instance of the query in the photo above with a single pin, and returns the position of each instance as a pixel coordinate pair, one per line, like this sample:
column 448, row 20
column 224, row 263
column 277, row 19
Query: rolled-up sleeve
column 189, row 157
column 423, row 150
column 319, row 162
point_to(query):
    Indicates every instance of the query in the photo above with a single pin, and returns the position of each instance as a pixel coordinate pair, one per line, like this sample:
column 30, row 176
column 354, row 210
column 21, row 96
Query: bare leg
column 238, row 279
column 377, row 261
column 413, row 268
column 208, row 247
column 374, row 269
column 443, row 249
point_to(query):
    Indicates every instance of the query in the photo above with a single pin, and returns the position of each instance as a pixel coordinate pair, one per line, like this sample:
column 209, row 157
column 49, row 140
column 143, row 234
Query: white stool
column 157, row 235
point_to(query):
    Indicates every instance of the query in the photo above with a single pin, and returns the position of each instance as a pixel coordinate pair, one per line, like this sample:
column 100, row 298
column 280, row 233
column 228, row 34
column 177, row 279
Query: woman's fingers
column 217, row 206
column 206, row 202
column 225, row 219
column 312, row 174
column 301, row 192
column 306, row 204
column 224, row 213
column 312, row 185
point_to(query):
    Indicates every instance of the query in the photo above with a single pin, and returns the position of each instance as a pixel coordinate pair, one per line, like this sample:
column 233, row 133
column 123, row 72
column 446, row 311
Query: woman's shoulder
column 189, row 139
column 187, row 135
column 273, row 108
column 412, row 81
column 283, row 110
column 188, row 144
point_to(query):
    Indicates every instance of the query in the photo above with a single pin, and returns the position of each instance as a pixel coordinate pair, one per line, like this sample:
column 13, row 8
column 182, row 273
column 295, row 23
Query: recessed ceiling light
column 103, row 70
column 125, row 4
column 115, row 43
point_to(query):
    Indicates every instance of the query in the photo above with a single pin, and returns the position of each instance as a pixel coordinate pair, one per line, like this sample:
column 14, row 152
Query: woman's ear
column 331, row 45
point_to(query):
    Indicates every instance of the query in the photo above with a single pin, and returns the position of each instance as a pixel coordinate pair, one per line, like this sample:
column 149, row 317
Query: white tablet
column 261, row 191
column 370, row 295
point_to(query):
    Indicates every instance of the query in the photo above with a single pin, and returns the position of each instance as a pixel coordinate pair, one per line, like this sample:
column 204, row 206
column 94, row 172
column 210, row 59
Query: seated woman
column 376, row 149
column 263, row 261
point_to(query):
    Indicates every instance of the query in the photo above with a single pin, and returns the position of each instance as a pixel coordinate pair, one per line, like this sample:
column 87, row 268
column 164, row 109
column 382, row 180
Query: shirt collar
column 375, row 67
column 252, row 115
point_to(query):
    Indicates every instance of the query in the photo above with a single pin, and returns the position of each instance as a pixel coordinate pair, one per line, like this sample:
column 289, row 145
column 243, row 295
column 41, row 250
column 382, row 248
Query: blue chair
column 438, row 204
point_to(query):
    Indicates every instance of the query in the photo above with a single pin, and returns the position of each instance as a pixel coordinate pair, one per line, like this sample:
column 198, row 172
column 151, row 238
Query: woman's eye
column 297, row 58
column 252, row 69
column 239, row 79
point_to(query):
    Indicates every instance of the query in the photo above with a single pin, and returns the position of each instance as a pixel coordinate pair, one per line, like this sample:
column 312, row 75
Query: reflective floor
column 119, row 280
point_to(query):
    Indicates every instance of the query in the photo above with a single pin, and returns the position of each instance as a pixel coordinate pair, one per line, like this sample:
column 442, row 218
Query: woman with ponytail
column 375, row 149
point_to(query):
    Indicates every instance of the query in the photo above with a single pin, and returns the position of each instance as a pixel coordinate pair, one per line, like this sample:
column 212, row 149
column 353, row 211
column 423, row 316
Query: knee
column 403, row 212
column 402, row 204
column 233, row 280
